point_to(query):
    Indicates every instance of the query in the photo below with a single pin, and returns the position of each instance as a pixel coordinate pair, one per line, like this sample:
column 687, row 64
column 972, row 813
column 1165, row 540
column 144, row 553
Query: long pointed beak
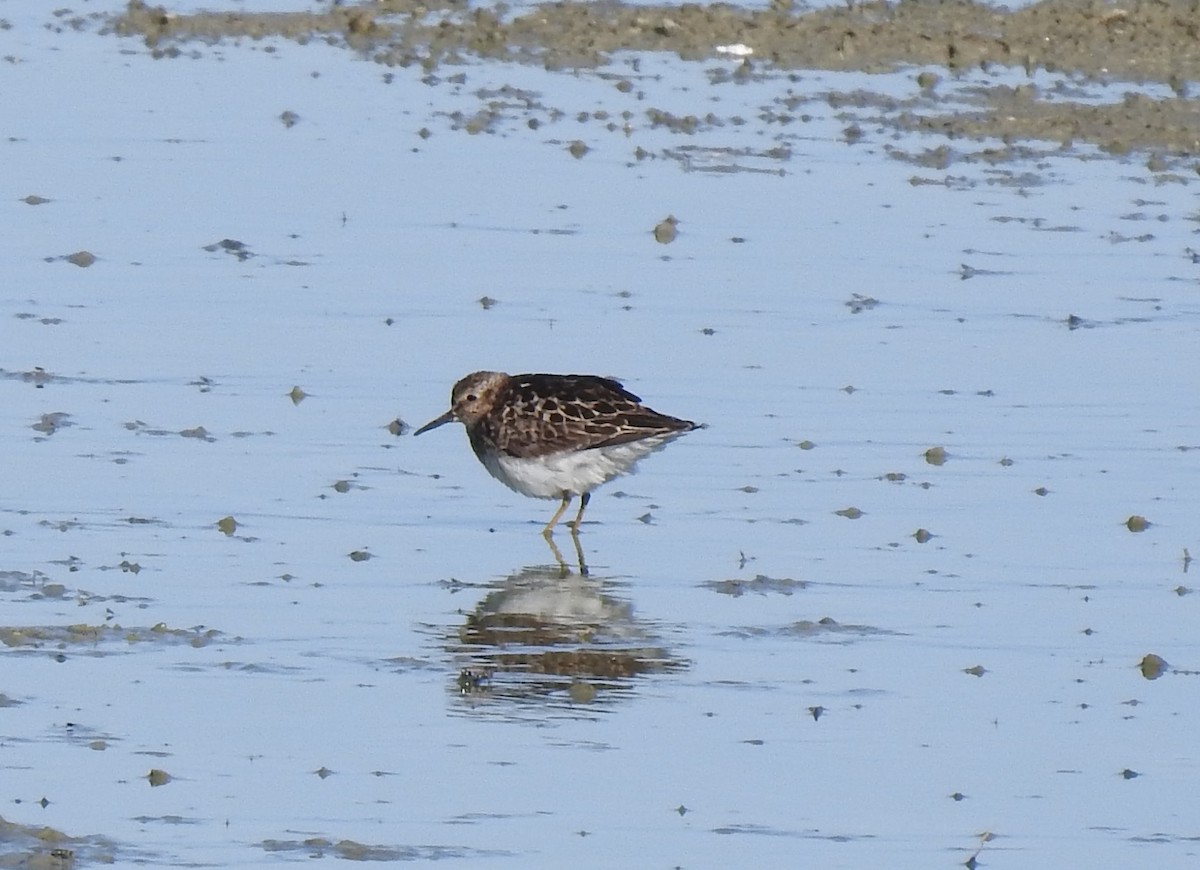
column 448, row 417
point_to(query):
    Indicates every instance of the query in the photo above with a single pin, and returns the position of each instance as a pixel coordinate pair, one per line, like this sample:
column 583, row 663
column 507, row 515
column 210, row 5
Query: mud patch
column 101, row 639
column 760, row 585
column 43, row 846
column 352, row 850
column 822, row 629
column 1137, row 43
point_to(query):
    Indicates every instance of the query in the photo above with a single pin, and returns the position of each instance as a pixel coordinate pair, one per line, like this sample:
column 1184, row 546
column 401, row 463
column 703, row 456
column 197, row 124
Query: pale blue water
column 711, row 758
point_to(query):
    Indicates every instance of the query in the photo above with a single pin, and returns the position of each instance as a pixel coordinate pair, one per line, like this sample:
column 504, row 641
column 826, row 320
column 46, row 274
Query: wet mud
column 41, row 846
column 91, row 639
column 1152, row 47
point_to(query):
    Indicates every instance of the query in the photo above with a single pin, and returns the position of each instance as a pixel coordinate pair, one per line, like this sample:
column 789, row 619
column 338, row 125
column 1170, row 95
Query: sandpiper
column 556, row 436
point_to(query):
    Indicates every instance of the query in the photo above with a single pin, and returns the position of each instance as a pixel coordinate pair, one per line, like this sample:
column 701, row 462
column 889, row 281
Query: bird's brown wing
column 551, row 413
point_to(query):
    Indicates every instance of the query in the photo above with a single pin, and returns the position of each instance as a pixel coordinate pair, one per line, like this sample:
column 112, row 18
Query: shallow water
column 762, row 666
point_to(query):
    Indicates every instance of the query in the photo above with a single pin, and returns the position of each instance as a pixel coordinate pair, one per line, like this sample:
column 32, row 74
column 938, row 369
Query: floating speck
column 471, row 680
column 666, row 230
column 51, row 423
column 1153, row 666
column 198, row 432
column 1137, row 523
column 859, row 303
column 230, row 246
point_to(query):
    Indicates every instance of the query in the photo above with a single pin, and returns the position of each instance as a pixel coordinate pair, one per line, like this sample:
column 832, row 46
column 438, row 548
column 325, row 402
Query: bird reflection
column 555, row 636
column 564, row 569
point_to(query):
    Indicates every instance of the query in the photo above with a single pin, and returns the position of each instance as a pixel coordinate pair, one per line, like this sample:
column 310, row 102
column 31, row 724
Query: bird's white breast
column 576, row 471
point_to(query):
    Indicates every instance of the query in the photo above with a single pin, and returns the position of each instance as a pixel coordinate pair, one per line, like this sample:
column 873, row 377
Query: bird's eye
column 471, row 397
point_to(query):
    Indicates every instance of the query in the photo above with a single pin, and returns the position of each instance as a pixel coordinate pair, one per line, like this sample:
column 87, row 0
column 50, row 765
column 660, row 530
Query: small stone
column 666, row 230
column 1153, row 666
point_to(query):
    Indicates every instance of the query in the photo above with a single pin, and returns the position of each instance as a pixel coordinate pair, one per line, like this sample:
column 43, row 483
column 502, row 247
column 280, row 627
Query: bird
column 556, row 436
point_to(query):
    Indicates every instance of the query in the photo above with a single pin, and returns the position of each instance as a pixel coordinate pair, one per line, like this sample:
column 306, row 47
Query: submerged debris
column 62, row 637
column 1153, row 666
column 1137, row 523
column 761, row 584
column 666, row 230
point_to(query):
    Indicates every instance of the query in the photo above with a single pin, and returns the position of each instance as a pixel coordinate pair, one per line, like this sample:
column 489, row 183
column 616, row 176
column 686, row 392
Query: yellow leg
column 549, row 530
column 563, row 571
column 583, row 502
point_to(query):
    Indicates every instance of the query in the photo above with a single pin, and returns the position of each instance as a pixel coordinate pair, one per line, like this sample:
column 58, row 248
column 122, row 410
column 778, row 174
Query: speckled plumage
column 555, row 436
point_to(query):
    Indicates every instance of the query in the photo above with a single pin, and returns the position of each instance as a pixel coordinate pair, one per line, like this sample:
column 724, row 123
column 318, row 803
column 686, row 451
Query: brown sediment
column 1136, row 43
column 1140, row 41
